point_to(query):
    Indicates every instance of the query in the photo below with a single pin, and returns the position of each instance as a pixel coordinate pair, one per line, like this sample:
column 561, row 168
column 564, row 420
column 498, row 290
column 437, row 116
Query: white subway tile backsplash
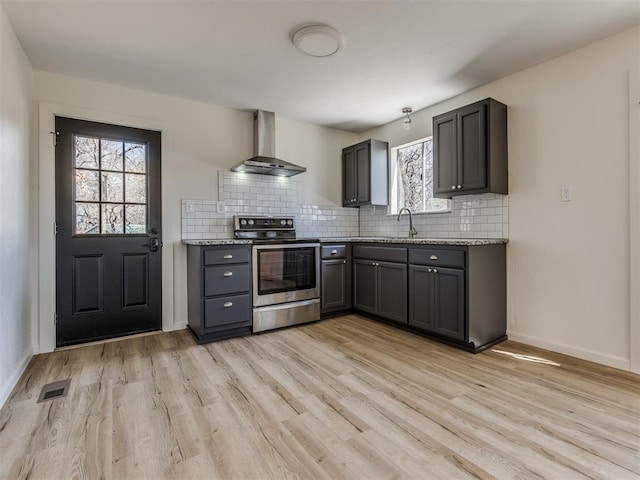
column 472, row 216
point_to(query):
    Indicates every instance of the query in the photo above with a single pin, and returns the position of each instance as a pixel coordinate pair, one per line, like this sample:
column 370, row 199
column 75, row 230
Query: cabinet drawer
column 449, row 258
column 224, row 279
column 385, row 254
column 227, row 312
column 224, row 256
column 333, row 251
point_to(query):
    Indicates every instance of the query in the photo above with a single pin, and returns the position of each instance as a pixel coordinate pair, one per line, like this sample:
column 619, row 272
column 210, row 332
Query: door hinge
column 55, row 136
column 55, row 318
column 55, row 229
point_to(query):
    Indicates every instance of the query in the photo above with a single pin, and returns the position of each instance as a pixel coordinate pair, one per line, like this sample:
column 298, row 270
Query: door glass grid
column 110, row 187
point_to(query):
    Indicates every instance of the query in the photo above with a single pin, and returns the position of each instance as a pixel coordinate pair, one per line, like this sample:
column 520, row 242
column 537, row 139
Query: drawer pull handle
column 228, row 256
column 433, row 257
column 228, row 304
column 344, row 261
column 334, row 252
column 228, row 274
column 429, row 270
column 435, row 270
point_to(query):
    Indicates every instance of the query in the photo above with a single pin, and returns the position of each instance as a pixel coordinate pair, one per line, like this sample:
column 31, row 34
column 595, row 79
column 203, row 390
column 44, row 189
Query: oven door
column 284, row 273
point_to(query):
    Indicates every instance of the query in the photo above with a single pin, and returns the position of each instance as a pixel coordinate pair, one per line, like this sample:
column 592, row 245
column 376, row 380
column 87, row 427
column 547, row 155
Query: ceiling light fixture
column 407, row 118
column 318, row 40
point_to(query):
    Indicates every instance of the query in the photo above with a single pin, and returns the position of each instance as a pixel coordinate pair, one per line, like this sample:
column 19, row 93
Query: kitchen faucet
column 412, row 231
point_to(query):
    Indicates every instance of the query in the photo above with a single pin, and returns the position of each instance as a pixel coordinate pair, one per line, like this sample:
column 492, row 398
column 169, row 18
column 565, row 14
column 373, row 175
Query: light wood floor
column 346, row 398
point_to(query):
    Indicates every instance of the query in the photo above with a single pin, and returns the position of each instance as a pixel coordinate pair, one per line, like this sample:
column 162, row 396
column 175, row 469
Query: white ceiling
column 239, row 54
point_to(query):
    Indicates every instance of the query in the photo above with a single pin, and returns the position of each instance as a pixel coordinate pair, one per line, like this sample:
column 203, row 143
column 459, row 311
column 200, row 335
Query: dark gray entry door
column 108, row 242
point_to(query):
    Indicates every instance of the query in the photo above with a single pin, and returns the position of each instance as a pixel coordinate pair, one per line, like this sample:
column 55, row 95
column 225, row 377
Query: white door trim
column 634, row 221
column 46, row 208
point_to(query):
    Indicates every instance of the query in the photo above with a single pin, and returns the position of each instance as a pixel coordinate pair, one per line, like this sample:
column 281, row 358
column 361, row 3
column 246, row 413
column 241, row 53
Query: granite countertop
column 413, row 241
column 419, row 240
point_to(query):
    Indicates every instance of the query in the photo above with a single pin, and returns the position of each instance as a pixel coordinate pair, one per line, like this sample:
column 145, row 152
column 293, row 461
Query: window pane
column 112, row 187
column 87, row 218
column 135, row 157
column 87, row 187
column 410, row 167
column 112, row 218
column 136, row 188
column 136, row 217
column 86, row 152
column 111, row 155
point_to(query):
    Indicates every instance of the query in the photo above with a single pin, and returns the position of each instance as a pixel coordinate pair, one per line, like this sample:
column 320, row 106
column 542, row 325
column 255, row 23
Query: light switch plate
column 565, row 194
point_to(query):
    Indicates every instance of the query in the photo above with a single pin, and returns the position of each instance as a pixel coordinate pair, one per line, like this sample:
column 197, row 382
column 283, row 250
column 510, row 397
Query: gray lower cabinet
column 379, row 285
column 219, row 291
column 336, row 279
column 455, row 294
column 436, row 300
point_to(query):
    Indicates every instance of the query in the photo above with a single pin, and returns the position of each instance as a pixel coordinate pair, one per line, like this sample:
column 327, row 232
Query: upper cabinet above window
column 364, row 174
column 470, row 150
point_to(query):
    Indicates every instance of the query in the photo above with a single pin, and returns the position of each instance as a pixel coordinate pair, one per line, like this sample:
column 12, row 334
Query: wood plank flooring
column 346, row 398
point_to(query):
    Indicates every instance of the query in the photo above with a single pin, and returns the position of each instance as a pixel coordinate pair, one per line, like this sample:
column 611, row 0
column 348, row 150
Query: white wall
column 18, row 231
column 568, row 263
column 197, row 140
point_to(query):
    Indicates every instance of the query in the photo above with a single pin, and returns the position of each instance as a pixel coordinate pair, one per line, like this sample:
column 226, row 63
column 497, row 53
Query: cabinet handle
column 228, row 304
column 433, row 257
column 453, row 187
column 459, row 186
column 228, row 256
column 228, row 274
column 334, row 252
column 344, row 261
column 435, row 270
column 429, row 270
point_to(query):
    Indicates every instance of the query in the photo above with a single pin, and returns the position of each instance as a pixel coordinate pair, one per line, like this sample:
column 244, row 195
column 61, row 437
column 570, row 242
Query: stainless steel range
column 285, row 270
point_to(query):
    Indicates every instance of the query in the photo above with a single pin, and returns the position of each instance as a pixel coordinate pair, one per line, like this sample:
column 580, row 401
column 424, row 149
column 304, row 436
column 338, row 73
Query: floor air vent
column 54, row 390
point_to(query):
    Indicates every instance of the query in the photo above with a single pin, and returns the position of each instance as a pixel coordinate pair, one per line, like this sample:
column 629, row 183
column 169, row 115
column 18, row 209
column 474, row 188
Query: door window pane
column 136, row 188
column 112, row 218
column 135, row 157
column 136, row 218
column 87, row 149
column 112, row 187
column 87, row 188
column 111, row 155
column 87, row 218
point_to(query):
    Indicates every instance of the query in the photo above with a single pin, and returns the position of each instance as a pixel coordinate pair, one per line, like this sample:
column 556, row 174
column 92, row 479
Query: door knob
column 154, row 244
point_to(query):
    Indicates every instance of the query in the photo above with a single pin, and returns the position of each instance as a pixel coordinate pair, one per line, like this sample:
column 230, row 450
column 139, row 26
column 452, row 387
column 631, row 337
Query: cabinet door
column 363, row 172
column 348, row 177
column 365, row 286
column 445, row 155
column 392, row 291
column 472, row 151
column 334, row 295
column 421, row 297
column 449, row 302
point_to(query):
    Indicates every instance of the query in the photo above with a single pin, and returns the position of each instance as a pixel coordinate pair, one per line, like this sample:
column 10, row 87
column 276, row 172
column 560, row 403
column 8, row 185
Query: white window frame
column 394, row 181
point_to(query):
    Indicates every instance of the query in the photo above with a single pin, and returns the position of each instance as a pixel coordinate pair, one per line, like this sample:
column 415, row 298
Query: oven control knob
column 283, row 222
column 243, row 222
column 251, row 222
column 290, row 222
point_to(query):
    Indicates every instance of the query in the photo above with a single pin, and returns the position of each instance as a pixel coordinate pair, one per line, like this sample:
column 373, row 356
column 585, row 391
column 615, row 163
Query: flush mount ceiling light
column 318, row 40
column 407, row 117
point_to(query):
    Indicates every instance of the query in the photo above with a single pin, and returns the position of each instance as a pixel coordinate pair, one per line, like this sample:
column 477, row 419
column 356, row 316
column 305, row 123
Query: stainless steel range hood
column 264, row 150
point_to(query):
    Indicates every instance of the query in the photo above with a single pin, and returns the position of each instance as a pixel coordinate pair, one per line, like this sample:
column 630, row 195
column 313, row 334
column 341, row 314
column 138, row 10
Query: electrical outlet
column 565, row 194
column 188, row 207
column 220, row 207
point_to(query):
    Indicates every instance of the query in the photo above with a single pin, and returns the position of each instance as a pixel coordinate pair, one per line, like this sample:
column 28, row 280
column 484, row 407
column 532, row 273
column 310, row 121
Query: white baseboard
column 4, row 394
column 603, row 359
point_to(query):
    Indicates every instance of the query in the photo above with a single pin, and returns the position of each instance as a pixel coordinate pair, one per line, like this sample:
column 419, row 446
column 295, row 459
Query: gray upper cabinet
column 470, row 150
column 364, row 174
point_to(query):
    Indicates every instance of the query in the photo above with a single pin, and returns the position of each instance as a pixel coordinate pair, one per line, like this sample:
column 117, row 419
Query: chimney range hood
column 264, row 150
